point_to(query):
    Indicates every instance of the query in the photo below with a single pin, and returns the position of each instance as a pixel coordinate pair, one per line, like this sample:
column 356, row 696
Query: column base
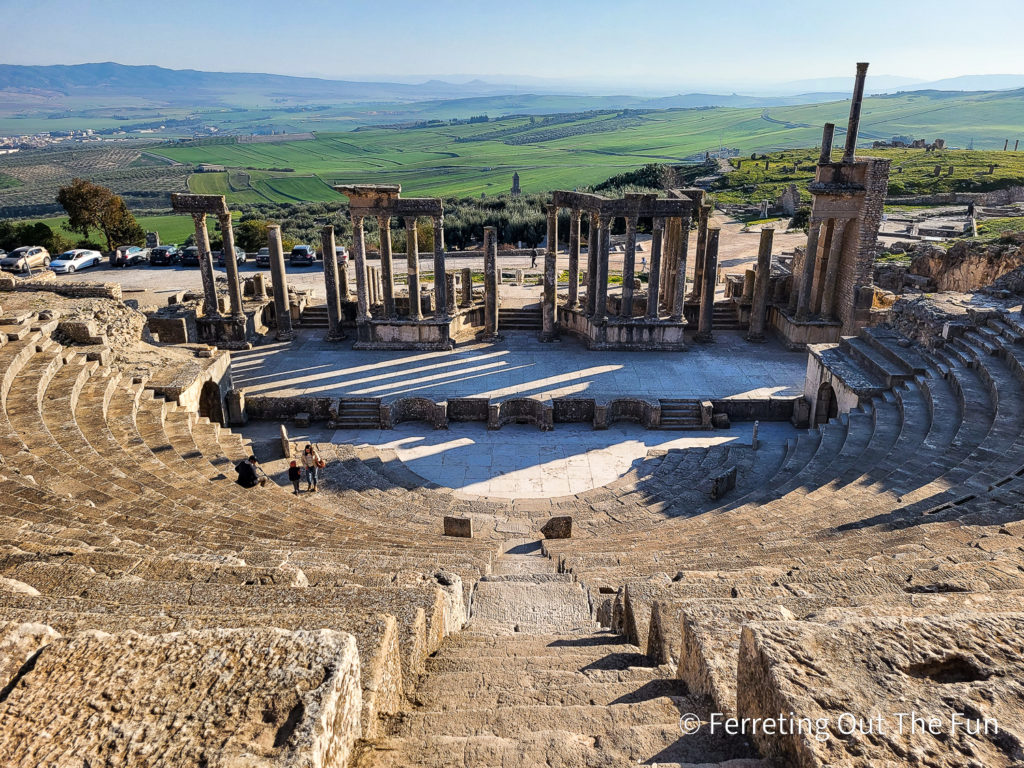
column 491, row 338
column 336, row 336
column 284, row 336
column 548, row 336
column 756, row 338
column 704, row 338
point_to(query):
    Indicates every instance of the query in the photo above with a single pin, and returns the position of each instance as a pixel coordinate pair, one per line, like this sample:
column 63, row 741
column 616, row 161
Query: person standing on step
column 313, row 463
column 249, row 472
column 533, row 259
column 294, row 474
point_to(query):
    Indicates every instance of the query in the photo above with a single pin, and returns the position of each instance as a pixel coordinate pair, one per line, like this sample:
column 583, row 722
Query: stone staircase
column 680, row 414
column 519, row 319
column 533, row 681
column 358, row 413
column 314, row 317
column 724, row 318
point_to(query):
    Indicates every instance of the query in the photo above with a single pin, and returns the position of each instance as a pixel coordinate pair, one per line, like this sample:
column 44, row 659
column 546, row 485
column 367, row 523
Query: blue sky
column 724, row 45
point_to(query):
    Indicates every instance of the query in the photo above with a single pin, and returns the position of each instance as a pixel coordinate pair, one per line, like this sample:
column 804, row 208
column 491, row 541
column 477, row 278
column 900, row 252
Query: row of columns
column 819, row 273
column 415, row 311
column 210, row 305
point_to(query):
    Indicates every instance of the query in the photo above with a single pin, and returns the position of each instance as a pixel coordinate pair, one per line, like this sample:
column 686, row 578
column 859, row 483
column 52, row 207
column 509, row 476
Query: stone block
column 302, row 419
column 722, row 482
column 461, row 527
column 264, row 697
column 286, row 443
column 720, row 420
column 558, row 527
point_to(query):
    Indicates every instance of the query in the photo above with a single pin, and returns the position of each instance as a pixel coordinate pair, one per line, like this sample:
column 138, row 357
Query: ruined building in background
column 832, row 291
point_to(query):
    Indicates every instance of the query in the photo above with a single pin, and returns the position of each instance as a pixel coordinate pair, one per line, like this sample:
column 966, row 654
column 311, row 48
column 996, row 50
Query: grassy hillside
column 582, row 149
column 172, row 228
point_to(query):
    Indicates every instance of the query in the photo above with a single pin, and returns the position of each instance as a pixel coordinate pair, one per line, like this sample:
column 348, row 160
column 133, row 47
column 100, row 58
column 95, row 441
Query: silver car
column 71, row 261
column 25, row 259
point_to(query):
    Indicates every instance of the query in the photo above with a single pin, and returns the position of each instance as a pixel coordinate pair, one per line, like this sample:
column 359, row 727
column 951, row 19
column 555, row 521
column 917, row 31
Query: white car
column 76, row 259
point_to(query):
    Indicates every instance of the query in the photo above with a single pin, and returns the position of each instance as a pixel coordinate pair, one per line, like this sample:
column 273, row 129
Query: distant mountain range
column 96, row 86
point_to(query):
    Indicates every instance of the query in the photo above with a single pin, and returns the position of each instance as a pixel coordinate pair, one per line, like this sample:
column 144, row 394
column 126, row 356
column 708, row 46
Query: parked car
column 71, row 261
column 341, row 255
column 240, row 257
column 263, row 257
column 128, row 256
column 164, row 255
column 25, row 259
column 190, row 256
column 302, row 256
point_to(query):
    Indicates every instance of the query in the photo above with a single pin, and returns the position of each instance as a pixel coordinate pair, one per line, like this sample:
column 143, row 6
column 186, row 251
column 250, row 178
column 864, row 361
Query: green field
column 579, row 150
column 172, row 229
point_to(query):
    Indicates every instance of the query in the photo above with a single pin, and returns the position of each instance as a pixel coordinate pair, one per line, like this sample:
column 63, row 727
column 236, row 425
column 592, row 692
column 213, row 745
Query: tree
column 84, row 203
column 251, row 234
column 90, row 206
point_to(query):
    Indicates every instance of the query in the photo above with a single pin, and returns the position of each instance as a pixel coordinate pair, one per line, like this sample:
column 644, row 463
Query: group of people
column 251, row 474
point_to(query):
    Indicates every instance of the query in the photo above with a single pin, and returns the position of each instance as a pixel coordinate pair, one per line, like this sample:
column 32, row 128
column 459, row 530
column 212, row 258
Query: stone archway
column 210, row 403
column 827, row 406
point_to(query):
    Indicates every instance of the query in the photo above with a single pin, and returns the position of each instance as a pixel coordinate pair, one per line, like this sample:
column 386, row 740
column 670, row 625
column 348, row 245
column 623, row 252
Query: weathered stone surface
column 18, row 643
column 965, row 671
column 260, row 697
column 458, row 526
column 558, row 527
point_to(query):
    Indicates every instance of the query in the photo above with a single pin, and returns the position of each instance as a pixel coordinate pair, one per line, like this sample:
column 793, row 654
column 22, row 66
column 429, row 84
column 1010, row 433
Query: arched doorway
column 827, row 407
column 210, row 403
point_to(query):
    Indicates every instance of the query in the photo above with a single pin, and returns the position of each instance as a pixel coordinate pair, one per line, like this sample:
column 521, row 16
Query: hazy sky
column 649, row 43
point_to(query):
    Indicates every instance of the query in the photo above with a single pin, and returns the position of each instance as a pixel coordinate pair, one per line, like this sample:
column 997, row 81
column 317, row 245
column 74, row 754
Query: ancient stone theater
column 818, row 569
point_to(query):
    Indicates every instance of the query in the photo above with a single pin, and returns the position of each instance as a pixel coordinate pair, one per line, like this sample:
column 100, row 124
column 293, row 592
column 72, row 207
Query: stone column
column 549, row 310
column 279, row 280
column 679, row 281
column 654, row 275
column 707, row 295
column 467, row 286
column 440, row 287
column 449, row 293
column 343, row 287
column 826, row 143
column 702, row 239
column 387, row 266
column 797, row 268
column 759, row 306
column 853, row 127
column 669, row 247
column 259, row 287
column 818, row 283
column 490, row 283
column 628, row 268
column 334, row 332
column 601, row 301
column 803, row 305
column 231, row 266
column 574, row 258
column 412, row 251
column 593, row 255
column 362, row 276
column 206, row 266
column 835, row 255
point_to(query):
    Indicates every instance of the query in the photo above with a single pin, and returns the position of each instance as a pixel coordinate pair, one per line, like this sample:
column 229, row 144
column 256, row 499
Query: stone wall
column 263, row 407
column 996, row 197
column 46, row 282
column 966, row 266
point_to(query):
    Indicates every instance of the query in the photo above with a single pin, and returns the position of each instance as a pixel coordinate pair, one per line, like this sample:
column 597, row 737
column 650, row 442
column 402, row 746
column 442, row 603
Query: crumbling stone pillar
column 702, row 240
column 628, row 268
column 449, row 293
column 853, row 128
column 334, row 332
column 206, row 266
column 279, row 280
column 654, row 275
column 707, row 295
column 440, row 286
column 601, row 302
column 679, row 281
column 835, row 254
column 467, row 286
column 759, row 305
column 412, row 250
column 826, row 143
column 818, row 283
column 549, row 331
column 748, row 285
column 593, row 254
column 259, row 287
column 343, row 287
column 387, row 266
column 362, row 276
column 574, row 258
column 490, row 283
column 231, row 265
column 803, row 306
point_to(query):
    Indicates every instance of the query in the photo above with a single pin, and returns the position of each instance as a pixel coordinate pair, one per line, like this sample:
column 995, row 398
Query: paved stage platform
column 520, row 366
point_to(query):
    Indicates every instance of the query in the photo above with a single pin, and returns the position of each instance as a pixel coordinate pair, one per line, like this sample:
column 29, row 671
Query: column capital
column 658, row 223
column 631, row 222
column 410, row 222
column 576, row 214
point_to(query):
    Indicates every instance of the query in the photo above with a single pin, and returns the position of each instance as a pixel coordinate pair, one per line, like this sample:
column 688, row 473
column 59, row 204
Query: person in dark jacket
column 294, row 474
column 249, row 474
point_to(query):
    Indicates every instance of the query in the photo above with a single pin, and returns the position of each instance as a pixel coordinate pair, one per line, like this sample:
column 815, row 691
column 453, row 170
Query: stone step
column 634, row 665
column 437, row 693
column 660, row 744
column 890, row 372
